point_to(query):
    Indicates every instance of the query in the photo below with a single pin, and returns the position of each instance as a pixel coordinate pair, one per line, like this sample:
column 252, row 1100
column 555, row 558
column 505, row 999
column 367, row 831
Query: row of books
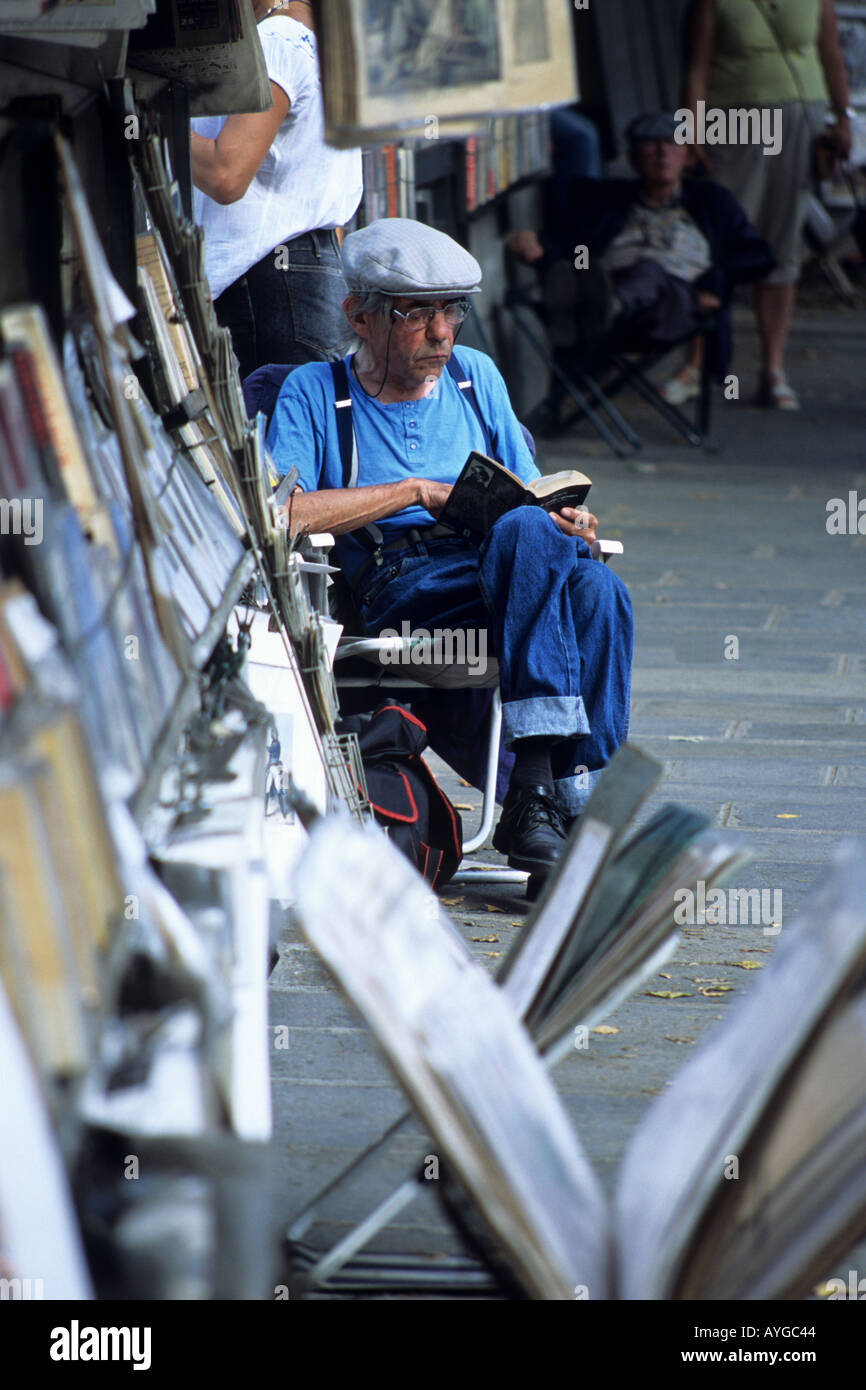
column 506, row 150
column 134, row 913
column 389, row 182
column 509, row 149
column 132, row 1002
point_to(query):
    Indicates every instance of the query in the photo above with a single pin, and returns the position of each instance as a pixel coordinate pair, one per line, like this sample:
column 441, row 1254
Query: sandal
column 682, row 387
column 777, row 391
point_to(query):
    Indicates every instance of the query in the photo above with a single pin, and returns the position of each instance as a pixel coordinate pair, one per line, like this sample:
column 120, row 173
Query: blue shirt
column 429, row 438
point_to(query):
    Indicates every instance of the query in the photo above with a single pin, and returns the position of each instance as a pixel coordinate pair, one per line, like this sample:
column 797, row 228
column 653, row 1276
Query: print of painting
column 419, row 45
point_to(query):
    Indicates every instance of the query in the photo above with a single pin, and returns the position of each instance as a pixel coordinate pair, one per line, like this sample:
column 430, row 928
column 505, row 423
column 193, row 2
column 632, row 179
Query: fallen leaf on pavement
column 668, row 994
column 484, row 938
column 668, row 1038
column 491, row 907
column 748, row 964
column 450, row 902
column 604, row 1028
column 494, row 954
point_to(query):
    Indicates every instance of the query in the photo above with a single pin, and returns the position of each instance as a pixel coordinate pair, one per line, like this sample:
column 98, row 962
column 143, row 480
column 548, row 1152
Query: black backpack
column 405, row 796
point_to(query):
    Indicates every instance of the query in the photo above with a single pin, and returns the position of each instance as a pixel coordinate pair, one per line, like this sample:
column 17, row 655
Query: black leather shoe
column 531, row 831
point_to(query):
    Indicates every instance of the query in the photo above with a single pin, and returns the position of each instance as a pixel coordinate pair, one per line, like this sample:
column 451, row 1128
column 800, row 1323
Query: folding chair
column 583, row 389
column 585, row 383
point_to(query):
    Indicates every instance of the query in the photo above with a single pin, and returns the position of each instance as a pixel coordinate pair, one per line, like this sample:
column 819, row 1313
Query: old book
column 486, row 490
column 46, row 403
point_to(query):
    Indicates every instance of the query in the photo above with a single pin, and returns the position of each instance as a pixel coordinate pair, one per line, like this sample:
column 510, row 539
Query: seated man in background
column 636, row 262
column 558, row 621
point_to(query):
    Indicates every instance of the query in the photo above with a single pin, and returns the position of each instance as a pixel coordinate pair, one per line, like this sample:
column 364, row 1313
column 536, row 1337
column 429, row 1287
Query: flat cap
column 652, row 125
column 399, row 256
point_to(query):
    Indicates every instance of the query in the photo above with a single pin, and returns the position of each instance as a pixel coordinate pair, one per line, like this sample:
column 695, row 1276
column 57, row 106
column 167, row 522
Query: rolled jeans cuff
column 572, row 793
column 544, row 716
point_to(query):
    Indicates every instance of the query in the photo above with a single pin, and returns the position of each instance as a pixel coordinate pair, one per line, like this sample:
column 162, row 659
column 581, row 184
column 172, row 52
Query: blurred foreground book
column 745, row 1180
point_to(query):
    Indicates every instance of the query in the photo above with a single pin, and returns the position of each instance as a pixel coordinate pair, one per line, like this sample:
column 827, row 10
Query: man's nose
column 438, row 326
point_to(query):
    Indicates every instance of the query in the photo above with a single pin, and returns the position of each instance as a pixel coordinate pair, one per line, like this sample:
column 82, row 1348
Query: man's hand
column 432, row 496
column 573, row 522
column 525, row 246
column 708, row 301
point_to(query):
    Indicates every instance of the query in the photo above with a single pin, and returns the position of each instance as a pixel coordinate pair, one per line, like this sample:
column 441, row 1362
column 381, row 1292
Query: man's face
column 660, row 161
column 414, row 354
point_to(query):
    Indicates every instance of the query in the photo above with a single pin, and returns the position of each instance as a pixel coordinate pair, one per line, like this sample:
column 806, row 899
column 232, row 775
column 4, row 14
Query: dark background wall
column 630, row 58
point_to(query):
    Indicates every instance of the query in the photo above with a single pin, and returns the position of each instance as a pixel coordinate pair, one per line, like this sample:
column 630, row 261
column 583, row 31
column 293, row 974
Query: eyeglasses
column 416, row 319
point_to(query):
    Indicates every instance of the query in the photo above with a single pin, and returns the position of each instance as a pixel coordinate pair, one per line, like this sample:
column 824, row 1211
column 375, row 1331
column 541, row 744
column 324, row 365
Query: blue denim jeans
column 288, row 306
column 559, row 623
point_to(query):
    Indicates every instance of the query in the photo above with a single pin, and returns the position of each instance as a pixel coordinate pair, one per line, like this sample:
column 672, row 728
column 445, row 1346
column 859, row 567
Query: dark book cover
column 486, row 490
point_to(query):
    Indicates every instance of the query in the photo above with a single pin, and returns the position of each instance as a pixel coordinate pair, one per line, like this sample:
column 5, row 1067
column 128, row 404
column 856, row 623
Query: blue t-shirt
column 429, row 438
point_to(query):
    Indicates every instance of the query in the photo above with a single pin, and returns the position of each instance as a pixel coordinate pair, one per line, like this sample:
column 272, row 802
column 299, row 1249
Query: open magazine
column 745, row 1180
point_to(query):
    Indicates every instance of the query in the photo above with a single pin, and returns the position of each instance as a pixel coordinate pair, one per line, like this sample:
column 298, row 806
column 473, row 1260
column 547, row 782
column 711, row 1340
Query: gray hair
column 372, row 302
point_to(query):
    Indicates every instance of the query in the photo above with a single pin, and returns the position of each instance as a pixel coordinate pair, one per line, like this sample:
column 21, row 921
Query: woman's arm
column 700, row 40
column 225, row 167
column 833, row 64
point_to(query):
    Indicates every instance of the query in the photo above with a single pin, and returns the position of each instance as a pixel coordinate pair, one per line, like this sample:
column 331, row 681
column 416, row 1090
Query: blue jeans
column 288, row 306
column 559, row 623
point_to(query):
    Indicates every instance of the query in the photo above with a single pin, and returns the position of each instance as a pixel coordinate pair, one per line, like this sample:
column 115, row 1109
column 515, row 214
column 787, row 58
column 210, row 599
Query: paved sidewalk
column 721, row 545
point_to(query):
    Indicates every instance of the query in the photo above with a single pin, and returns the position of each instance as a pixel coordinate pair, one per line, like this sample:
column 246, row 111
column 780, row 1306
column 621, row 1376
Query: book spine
column 471, row 173
column 25, row 374
column 391, row 203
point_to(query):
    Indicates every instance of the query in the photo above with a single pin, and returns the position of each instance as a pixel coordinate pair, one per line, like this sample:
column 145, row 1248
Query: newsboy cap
column 652, row 125
column 399, row 256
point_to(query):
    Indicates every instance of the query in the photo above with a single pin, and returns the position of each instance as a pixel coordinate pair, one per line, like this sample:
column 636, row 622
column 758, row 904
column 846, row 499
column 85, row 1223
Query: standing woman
column 270, row 195
column 770, row 53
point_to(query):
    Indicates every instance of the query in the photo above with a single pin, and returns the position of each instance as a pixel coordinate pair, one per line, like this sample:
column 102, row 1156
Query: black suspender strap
column 370, row 536
column 345, row 428
column 464, row 385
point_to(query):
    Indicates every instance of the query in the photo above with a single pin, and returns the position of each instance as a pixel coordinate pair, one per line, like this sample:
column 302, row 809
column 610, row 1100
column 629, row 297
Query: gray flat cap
column 401, row 257
column 653, row 125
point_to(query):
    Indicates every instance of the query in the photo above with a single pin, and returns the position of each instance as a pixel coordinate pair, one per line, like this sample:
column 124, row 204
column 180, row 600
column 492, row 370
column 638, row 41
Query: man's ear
column 360, row 323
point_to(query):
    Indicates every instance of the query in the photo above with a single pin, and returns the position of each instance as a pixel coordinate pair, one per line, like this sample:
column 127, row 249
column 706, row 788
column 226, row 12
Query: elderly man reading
column 558, row 621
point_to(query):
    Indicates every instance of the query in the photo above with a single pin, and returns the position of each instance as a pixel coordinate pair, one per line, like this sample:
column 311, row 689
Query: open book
column 745, row 1180
column 486, row 490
